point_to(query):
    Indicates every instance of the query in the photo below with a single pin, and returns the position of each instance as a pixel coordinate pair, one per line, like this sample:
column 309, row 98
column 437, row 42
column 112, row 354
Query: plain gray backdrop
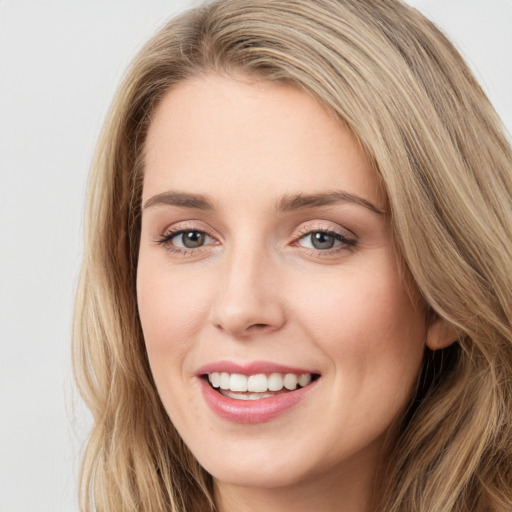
column 60, row 63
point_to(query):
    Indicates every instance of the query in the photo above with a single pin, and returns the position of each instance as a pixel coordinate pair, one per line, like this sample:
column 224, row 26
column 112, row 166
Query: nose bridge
column 247, row 299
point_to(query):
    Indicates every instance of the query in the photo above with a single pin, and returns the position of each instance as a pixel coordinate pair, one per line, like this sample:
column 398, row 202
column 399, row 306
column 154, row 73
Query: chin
column 255, row 466
column 266, row 476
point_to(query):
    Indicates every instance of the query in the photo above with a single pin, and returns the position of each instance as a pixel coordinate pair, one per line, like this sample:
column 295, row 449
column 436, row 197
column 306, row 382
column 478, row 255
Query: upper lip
column 250, row 368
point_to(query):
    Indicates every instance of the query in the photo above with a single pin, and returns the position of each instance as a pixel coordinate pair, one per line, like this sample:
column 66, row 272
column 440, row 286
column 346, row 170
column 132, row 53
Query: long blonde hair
column 394, row 80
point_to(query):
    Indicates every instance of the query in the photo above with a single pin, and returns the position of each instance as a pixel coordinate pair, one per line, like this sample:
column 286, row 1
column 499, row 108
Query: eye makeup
column 191, row 239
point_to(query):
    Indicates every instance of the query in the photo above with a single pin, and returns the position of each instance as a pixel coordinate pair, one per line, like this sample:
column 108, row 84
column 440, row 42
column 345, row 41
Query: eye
column 325, row 240
column 185, row 239
column 190, row 239
column 321, row 240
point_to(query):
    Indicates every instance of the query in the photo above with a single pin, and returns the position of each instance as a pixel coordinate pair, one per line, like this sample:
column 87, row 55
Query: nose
column 249, row 299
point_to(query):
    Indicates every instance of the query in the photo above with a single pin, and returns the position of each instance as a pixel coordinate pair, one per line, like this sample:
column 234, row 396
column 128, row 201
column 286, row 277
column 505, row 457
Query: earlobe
column 440, row 334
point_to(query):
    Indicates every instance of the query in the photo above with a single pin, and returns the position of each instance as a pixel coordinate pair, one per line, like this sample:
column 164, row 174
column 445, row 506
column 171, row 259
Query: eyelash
column 165, row 240
column 346, row 243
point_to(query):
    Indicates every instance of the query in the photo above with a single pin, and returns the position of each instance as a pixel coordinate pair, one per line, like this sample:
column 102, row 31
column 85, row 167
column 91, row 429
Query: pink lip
column 249, row 368
column 251, row 411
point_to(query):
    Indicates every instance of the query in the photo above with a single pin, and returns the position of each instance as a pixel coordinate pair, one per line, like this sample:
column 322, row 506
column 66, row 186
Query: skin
column 259, row 290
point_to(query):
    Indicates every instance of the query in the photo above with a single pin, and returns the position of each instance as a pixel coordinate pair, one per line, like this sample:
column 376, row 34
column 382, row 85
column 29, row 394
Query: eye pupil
column 321, row 240
column 192, row 239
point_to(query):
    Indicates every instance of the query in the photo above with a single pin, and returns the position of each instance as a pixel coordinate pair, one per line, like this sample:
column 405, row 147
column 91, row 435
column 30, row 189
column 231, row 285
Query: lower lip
column 252, row 411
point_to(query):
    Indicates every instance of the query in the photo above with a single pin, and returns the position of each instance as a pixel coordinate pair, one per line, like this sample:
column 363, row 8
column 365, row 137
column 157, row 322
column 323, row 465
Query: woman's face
column 266, row 261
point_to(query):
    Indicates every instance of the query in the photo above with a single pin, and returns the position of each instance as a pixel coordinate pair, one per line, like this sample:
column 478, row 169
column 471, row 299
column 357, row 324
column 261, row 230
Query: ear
column 441, row 334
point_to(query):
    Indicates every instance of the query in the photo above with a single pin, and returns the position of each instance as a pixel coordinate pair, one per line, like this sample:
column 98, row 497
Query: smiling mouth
column 258, row 386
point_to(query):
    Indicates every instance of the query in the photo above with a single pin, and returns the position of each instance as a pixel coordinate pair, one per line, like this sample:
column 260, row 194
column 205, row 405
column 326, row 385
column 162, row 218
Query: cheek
column 371, row 330
column 172, row 310
column 359, row 306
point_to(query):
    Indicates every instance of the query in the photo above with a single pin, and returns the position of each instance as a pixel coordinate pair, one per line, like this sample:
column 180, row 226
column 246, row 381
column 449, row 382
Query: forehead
column 251, row 135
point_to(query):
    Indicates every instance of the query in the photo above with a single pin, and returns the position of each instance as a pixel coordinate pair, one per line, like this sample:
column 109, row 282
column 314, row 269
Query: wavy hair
column 442, row 156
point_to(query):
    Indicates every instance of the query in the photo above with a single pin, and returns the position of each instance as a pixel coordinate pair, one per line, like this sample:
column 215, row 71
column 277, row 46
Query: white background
column 60, row 62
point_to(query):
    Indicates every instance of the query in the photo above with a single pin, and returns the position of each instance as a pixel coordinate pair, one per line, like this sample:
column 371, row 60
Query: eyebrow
column 303, row 201
column 286, row 203
column 183, row 199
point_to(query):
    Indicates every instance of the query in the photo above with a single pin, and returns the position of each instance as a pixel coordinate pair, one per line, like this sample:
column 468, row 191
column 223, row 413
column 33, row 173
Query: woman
column 297, row 292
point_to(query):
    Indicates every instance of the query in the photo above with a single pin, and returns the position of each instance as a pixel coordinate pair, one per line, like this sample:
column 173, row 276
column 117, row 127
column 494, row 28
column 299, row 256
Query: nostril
column 257, row 327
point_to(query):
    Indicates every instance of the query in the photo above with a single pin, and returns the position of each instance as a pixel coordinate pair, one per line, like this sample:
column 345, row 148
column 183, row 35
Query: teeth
column 237, row 382
column 304, row 379
column 290, row 381
column 246, row 396
column 223, row 380
column 275, row 382
column 215, row 379
column 258, row 383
